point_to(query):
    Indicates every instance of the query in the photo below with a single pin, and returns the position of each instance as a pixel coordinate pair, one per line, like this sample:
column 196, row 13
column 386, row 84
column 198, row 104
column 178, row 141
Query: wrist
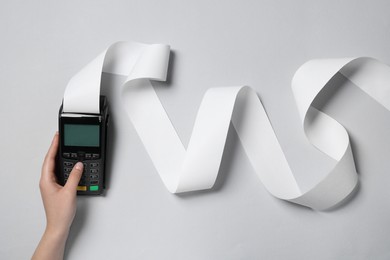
column 56, row 232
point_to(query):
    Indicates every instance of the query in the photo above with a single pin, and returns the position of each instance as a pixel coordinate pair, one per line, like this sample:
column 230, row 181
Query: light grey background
column 214, row 43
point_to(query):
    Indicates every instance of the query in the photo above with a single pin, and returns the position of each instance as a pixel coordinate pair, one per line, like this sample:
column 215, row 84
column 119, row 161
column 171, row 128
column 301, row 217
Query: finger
column 75, row 176
column 48, row 167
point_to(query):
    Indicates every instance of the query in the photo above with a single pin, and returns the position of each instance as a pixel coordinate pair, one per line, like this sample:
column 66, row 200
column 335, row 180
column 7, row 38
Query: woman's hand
column 60, row 206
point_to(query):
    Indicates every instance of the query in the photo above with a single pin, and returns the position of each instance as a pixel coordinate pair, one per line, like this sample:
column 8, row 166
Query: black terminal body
column 83, row 138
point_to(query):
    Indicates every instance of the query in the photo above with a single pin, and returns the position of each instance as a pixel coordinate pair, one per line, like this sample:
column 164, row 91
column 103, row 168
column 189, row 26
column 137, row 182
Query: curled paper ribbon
column 196, row 167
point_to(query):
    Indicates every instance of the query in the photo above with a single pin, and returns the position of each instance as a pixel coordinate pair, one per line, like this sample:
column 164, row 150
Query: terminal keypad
column 90, row 179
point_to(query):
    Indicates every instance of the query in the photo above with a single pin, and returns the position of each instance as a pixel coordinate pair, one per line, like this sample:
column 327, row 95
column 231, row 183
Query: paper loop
column 196, row 167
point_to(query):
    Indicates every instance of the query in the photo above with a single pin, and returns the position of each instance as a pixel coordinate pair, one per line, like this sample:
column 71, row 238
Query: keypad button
column 68, row 164
column 94, row 165
column 66, row 155
column 94, row 171
column 82, row 188
column 67, row 169
column 73, row 155
column 94, row 188
column 88, row 156
column 94, row 182
column 81, row 154
column 94, row 177
column 95, row 156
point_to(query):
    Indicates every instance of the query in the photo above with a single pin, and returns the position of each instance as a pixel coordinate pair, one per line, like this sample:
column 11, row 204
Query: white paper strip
column 196, row 167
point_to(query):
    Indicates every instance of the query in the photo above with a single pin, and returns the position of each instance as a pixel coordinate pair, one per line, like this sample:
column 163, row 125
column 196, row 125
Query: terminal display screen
column 81, row 135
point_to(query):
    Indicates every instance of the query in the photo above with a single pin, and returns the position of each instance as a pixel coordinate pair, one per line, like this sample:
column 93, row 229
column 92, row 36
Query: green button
column 94, row 188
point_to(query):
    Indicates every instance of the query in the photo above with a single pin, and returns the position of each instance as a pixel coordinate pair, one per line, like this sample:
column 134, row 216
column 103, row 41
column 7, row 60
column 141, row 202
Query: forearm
column 51, row 246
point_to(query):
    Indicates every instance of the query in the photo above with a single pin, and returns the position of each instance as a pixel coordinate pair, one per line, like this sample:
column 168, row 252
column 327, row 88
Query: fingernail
column 79, row 166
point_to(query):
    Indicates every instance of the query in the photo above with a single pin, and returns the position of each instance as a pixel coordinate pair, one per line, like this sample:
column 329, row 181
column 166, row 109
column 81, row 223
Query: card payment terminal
column 83, row 138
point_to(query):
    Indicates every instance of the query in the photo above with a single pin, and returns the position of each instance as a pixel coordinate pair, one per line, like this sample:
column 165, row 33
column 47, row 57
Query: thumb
column 75, row 176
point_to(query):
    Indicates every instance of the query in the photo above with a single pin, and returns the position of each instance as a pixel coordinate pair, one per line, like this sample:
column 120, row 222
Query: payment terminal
column 83, row 138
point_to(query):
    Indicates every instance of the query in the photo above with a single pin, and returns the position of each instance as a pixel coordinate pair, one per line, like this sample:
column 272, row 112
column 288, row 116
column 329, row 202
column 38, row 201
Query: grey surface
column 256, row 43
